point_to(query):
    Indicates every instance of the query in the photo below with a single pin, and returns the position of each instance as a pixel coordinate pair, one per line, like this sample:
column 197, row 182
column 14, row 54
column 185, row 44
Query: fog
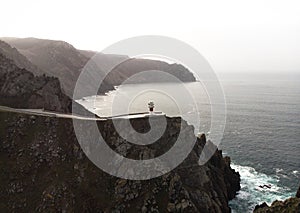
column 234, row 36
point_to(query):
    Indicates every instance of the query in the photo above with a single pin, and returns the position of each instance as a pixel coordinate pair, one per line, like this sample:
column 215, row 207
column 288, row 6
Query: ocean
column 262, row 132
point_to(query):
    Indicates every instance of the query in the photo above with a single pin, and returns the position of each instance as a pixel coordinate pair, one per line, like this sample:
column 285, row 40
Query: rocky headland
column 43, row 168
column 63, row 61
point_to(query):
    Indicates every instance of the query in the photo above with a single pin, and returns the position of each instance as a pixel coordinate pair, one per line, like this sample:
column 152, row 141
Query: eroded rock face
column 20, row 60
column 287, row 206
column 19, row 88
column 43, row 169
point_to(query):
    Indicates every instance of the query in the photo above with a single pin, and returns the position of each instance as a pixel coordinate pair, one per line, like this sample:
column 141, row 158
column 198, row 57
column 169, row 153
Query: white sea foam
column 254, row 189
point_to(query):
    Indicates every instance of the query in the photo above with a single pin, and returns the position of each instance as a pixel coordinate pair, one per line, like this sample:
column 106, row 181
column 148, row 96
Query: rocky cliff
column 20, row 60
column 291, row 205
column 43, row 169
column 54, row 58
column 62, row 60
column 19, row 88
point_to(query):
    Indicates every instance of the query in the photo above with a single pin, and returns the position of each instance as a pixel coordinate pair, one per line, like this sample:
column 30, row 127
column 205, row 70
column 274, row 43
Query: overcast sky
column 256, row 35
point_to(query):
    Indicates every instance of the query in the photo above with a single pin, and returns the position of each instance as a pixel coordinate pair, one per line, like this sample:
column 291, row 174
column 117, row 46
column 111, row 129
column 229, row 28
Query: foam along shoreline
column 252, row 194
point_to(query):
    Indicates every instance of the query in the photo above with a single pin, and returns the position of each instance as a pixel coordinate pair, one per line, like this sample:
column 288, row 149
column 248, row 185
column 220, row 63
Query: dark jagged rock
column 43, row 169
column 291, row 205
column 298, row 193
column 260, row 206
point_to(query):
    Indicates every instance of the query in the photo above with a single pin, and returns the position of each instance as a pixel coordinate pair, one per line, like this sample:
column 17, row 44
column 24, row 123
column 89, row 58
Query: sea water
column 262, row 132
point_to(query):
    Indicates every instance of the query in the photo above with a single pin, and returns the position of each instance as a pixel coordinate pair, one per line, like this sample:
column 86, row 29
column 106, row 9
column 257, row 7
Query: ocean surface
column 262, row 132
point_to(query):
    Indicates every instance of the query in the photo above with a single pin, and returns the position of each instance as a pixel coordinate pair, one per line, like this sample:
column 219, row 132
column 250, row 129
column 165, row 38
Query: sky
column 233, row 35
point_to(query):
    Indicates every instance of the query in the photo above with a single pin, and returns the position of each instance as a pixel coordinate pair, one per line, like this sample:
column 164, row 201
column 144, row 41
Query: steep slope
column 20, row 60
column 55, row 58
column 134, row 65
column 19, row 88
column 43, row 169
column 62, row 60
column 131, row 66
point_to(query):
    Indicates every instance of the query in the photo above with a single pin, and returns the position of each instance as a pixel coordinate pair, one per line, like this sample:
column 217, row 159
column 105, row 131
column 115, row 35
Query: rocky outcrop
column 43, row 169
column 20, row 60
column 291, row 205
column 19, row 88
column 54, row 58
column 62, row 60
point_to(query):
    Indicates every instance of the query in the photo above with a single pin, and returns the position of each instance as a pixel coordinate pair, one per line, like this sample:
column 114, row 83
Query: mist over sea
column 262, row 133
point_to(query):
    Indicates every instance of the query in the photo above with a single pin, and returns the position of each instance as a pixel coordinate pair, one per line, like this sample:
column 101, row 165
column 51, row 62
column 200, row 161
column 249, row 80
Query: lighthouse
column 151, row 106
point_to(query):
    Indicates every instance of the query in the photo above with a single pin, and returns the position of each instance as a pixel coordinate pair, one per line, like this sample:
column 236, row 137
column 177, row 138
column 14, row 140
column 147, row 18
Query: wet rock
column 289, row 205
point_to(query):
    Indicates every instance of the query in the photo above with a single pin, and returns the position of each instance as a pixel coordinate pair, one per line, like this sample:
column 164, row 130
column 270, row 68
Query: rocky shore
column 291, row 205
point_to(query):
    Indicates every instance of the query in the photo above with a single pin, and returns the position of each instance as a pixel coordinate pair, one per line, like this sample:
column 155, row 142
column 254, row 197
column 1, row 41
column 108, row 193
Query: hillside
column 19, row 88
column 20, row 60
column 62, row 60
column 54, row 58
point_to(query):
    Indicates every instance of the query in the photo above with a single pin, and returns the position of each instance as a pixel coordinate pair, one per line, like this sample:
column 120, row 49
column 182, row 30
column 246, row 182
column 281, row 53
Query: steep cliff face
column 19, row 88
column 62, row 60
column 54, row 58
column 44, row 169
column 20, row 60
